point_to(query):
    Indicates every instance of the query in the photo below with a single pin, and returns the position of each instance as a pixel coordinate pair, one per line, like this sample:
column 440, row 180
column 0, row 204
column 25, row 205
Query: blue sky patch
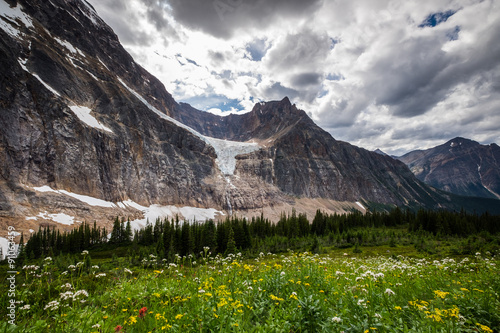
column 436, row 18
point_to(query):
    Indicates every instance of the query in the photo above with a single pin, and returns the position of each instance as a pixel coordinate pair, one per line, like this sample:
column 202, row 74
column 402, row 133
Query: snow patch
column 226, row 150
column 31, row 218
column 95, row 78
column 84, row 198
column 83, row 113
column 69, row 46
column 13, row 16
column 59, row 218
column 360, row 205
column 31, row 231
column 154, row 212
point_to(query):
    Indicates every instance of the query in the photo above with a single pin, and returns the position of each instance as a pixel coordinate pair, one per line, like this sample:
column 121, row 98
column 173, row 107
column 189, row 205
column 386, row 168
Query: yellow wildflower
column 484, row 328
column 441, row 294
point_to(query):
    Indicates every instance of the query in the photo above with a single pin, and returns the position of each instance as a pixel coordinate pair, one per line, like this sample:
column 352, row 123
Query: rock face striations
column 79, row 116
column 459, row 166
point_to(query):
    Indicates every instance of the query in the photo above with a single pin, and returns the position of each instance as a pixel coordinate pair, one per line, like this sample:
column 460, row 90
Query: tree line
column 168, row 237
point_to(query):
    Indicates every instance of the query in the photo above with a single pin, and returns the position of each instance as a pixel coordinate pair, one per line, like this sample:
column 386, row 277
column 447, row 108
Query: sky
column 393, row 75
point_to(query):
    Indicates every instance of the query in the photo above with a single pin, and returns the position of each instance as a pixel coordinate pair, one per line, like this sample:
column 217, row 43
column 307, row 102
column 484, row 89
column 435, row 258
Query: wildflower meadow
column 337, row 291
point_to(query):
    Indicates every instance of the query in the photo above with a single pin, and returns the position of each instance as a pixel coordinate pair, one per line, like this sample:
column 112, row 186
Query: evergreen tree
column 231, row 245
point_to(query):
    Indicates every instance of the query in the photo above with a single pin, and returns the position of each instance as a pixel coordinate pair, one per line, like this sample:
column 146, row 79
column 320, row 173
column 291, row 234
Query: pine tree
column 231, row 245
column 128, row 232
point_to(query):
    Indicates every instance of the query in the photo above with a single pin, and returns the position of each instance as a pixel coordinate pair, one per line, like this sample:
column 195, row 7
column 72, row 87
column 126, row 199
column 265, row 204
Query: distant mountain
column 88, row 134
column 459, row 166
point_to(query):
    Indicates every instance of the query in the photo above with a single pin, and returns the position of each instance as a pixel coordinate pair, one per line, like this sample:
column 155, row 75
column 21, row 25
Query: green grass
column 377, row 290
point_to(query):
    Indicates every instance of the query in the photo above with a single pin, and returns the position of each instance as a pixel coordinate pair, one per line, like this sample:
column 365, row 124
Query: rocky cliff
column 460, row 166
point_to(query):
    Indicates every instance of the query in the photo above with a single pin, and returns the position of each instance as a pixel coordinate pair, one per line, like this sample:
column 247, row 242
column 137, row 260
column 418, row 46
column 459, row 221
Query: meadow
column 342, row 290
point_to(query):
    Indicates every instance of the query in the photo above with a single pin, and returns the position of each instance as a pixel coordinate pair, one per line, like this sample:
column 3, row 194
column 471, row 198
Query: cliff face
column 70, row 123
column 460, row 166
column 79, row 116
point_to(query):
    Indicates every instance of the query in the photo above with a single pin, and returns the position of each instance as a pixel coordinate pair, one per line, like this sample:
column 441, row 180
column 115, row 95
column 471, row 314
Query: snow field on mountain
column 226, row 150
column 151, row 213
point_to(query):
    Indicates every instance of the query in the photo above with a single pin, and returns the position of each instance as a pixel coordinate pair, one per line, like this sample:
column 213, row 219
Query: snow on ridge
column 226, row 150
column 59, row 218
column 11, row 14
column 83, row 113
column 360, row 205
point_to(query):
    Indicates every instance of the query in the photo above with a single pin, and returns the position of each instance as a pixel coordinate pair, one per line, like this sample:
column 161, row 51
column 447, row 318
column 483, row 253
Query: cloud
column 306, row 79
column 305, row 49
column 223, row 18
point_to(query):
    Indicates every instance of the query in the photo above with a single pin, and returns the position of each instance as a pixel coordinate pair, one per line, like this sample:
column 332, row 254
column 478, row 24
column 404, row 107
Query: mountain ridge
column 460, row 165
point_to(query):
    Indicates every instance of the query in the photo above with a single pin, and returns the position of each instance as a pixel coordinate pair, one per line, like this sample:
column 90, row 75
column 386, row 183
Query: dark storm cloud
column 221, row 18
column 306, row 79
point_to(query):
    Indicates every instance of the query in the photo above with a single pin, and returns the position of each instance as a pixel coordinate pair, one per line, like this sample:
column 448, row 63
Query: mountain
column 88, row 134
column 378, row 151
column 459, row 166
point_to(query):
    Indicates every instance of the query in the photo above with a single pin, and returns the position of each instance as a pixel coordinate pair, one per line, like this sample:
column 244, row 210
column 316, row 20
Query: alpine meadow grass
column 290, row 292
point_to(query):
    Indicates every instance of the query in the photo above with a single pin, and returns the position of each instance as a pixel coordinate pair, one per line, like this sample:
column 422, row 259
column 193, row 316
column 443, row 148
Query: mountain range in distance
column 460, row 166
column 88, row 135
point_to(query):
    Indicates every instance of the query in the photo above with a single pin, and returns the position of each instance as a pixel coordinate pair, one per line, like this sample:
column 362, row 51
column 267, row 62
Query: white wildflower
column 54, row 305
column 389, row 292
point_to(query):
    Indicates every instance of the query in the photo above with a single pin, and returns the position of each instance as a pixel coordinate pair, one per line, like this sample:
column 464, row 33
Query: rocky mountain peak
column 461, row 166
